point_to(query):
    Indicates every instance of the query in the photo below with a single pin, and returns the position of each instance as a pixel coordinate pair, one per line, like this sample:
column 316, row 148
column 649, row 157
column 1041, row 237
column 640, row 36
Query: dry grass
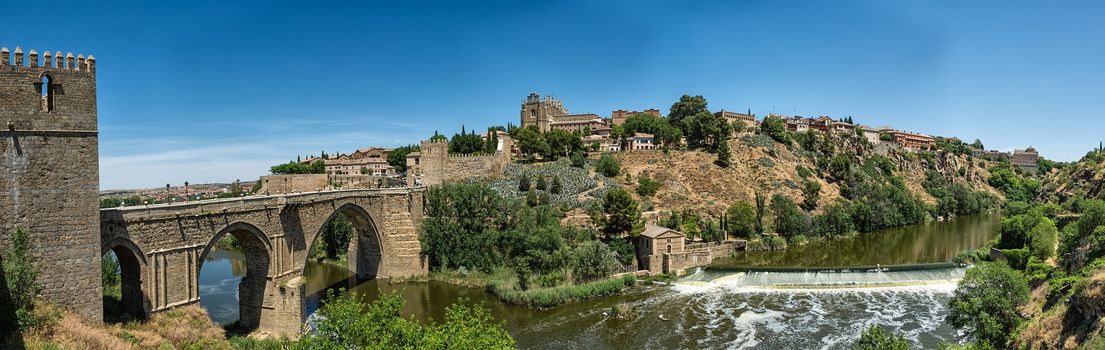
column 182, row 328
column 1063, row 326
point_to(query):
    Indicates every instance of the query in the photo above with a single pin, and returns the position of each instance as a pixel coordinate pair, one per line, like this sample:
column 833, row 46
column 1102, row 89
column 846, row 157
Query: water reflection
column 925, row 243
column 218, row 286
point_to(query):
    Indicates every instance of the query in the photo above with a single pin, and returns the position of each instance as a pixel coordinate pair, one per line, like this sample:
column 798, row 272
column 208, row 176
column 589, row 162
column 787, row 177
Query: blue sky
column 210, row 91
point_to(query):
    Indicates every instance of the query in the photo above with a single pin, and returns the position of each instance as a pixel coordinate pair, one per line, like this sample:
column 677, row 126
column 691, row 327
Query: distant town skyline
column 213, row 91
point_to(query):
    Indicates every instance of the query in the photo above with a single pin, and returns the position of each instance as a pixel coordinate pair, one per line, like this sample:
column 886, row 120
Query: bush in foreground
column 351, row 324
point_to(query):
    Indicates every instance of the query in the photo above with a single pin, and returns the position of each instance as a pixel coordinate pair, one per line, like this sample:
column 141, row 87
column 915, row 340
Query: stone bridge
column 161, row 248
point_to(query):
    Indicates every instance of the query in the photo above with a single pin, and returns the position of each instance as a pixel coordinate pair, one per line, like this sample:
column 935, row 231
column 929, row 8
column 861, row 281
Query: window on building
column 533, row 113
column 47, row 92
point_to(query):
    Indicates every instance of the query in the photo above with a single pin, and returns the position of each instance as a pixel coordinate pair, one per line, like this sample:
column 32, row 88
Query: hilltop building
column 748, row 119
column 365, row 161
column 1027, row 159
column 912, row 141
column 618, row 117
column 549, row 113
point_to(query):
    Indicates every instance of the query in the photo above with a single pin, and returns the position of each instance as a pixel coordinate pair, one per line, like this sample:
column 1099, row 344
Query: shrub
column 775, row 242
column 593, row 260
column 876, row 338
column 647, row 187
column 1036, row 271
column 811, row 190
column 1042, row 239
column 1016, row 258
column 524, row 184
column 608, row 166
column 348, row 323
column 542, row 184
column 20, row 274
column 548, row 297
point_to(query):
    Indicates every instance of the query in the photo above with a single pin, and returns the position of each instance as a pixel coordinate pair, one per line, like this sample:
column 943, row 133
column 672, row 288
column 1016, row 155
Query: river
column 818, row 296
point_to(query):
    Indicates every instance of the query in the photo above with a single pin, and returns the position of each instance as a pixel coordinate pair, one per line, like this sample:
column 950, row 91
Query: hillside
column 691, row 179
column 1085, row 179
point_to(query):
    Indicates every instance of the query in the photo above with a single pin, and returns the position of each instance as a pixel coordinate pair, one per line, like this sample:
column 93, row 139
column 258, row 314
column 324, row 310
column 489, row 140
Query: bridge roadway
column 161, row 248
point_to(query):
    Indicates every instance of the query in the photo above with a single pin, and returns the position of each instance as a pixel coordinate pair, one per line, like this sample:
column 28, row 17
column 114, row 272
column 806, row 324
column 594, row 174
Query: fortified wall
column 434, row 165
column 49, row 171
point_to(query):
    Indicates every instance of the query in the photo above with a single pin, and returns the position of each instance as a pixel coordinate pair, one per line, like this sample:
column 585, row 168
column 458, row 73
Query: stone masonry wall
column 174, row 240
column 49, row 171
column 300, row 183
column 438, row 166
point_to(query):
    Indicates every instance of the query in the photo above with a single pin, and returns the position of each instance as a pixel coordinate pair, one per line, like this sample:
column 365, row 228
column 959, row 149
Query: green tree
column 593, row 260
column 723, row 155
column 336, row 235
column 789, row 219
column 20, row 276
column 740, row 219
column 835, row 219
column 811, row 190
column 686, row 107
column 707, row 130
column 608, row 166
column 876, row 338
column 986, row 303
column 774, row 127
column 316, row 167
column 761, row 211
column 563, row 143
column 531, row 142
column 555, row 187
column 492, row 144
column 435, row 137
column 397, row 158
column 466, row 142
column 620, row 211
column 1042, row 239
column 542, row 184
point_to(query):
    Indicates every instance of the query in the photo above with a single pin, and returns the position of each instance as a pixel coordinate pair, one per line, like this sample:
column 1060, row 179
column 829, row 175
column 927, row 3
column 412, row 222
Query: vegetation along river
column 820, row 295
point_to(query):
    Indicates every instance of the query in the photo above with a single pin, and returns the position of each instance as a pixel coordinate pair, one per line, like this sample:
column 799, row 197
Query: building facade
column 1027, row 160
column 913, row 141
column 539, row 111
column 748, row 119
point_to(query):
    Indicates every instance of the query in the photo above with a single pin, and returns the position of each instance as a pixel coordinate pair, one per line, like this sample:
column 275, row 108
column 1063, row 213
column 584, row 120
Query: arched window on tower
column 533, row 113
column 46, row 89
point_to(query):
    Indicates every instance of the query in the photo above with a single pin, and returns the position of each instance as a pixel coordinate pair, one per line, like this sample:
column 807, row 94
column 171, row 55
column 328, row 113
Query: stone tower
column 49, row 171
column 540, row 112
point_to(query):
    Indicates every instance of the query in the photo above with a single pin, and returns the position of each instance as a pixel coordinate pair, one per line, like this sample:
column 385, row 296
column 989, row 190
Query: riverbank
column 503, row 283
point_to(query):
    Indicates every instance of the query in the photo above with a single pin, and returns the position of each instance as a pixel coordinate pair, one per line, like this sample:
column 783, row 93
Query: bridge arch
column 257, row 282
column 132, row 268
column 365, row 251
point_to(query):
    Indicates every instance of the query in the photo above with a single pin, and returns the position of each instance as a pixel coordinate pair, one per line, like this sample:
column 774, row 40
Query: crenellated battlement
column 47, row 60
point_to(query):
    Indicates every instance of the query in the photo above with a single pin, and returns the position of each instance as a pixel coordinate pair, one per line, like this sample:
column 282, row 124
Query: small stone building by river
column 664, row 250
